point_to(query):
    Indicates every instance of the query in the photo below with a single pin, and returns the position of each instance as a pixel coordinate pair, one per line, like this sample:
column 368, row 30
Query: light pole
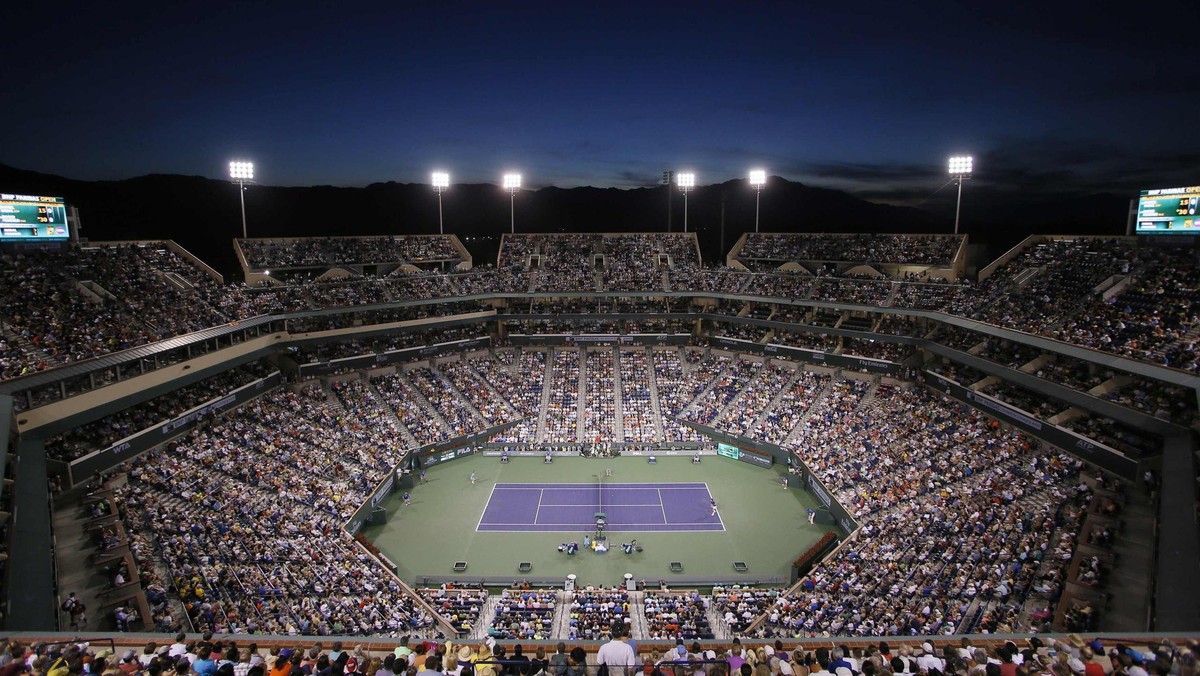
column 960, row 168
column 686, row 180
column 242, row 172
column 758, row 178
column 512, row 183
column 667, row 179
column 441, row 181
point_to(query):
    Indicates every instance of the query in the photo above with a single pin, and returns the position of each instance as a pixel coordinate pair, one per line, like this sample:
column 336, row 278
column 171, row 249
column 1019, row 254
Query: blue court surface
column 522, row 508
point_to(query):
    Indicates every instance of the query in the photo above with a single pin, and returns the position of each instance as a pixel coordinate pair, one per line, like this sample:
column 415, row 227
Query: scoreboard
column 33, row 218
column 1169, row 211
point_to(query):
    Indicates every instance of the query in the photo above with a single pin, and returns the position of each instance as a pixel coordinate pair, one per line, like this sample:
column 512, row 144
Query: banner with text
column 1087, row 449
column 129, row 447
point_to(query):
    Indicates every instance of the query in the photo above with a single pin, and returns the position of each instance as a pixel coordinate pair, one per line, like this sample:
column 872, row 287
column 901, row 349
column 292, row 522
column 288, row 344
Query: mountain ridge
column 204, row 214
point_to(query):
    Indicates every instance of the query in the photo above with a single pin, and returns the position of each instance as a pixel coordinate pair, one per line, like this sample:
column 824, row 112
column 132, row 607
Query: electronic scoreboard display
column 1169, row 211
column 32, row 218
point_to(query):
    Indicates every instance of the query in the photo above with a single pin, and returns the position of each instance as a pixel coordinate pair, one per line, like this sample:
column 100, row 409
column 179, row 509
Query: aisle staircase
column 1129, row 583
column 547, row 386
column 655, row 407
column 582, row 397
column 618, row 432
column 409, row 440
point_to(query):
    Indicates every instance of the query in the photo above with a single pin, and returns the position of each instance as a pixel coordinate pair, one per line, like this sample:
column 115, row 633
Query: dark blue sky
column 870, row 96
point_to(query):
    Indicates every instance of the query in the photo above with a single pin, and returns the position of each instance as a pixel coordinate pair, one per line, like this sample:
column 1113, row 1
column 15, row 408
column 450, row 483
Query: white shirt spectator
column 617, row 655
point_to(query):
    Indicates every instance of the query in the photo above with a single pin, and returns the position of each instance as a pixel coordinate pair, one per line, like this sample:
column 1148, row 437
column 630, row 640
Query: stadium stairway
column 1128, row 582
column 790, row 439
column 637, row 614
column 409, row 440
column 513, row 413
column 887, row 302
column 582, row 398
column 712, row 382
column 719, row 628
column 31, row 351
column 618, row 405
column 653, row 386
column 547, row 388
column 76, row 572
column 435, row 417
column 486, row 616
column 463, row 400
column 774, row 403
column 562, row 618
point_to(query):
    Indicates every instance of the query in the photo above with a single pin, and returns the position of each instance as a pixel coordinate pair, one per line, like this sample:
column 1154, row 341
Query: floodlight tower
column 441, row 181
column 960, row 168
column 758, row 178
column 686, row 180
column 242, row 172
column 512, row 183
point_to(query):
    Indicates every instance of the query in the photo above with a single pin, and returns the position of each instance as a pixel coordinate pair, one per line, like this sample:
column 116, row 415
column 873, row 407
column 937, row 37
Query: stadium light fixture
column 960, row 168
column 241, row 172
column 512, row 183
column 686, row 180
column 758, row 178
column 441, row 181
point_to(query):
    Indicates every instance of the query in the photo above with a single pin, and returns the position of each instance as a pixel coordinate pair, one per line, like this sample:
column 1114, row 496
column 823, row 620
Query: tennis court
column 545, row 507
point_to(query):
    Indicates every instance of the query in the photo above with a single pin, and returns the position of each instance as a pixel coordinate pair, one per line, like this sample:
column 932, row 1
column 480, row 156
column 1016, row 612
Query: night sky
column 870, row 97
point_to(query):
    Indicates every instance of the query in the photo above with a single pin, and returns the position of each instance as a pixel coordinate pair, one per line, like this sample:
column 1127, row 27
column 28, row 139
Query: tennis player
column 473, row 478
column 713, row 502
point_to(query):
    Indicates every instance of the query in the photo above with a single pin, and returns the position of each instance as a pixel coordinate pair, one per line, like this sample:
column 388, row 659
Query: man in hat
column 482, row 668
column 928, row 659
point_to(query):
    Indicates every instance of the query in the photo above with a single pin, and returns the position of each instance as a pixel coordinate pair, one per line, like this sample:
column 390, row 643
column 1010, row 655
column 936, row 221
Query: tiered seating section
column 461, row 607
column 295, row 467
column 65, row 306
column 598, row 262
column 766, row 249
column 594, row 611
column 328, row 252
column 108, row 430
column 524, row 614
column 961, row 521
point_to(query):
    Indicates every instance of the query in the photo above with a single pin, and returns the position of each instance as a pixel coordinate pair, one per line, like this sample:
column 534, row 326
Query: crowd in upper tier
column 1115, row 295
column 927, row 250
column 326, row 252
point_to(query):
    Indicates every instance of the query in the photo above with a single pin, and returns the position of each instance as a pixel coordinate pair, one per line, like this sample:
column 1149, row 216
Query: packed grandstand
column 981, row 434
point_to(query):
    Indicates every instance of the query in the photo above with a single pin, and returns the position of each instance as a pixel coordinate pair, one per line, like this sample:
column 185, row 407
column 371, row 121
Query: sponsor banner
column 384, row 489
column 753, row 458
column 765, row 455
column 136, row 444
column 607, row 339
column 393, row 356
column 1003, row 409
column 457, row 447
column 843, row 361
column 1087, row 449
column 818, row 489
column 729, row 451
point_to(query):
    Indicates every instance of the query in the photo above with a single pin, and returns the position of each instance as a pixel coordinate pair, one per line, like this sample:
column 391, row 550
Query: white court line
column 663, row 506
column 539, row 508
column 645, row 486
column 591, row 524
column 485, row 506
column 547, row 504
column 710, row 497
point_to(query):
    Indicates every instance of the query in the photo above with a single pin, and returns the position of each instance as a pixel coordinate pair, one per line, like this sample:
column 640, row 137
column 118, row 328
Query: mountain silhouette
column 204, row 215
